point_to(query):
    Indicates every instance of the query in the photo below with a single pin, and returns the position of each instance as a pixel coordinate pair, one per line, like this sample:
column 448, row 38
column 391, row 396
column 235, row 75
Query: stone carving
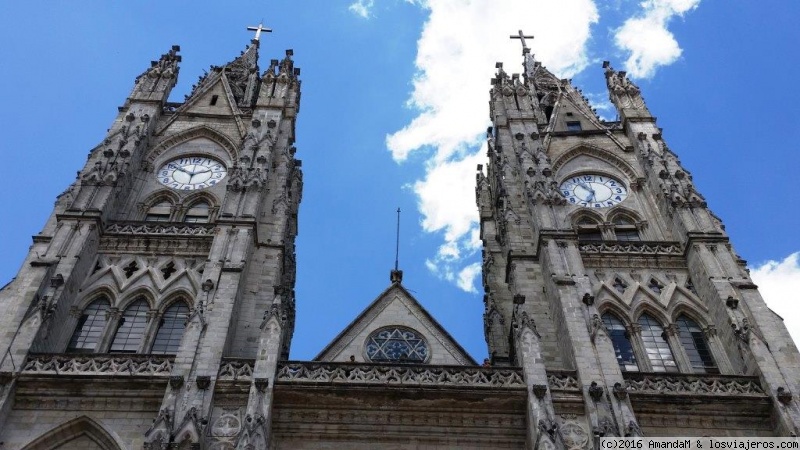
column 539, row 390
column 620, row 391
column 574, row 435
column 627, row 248
column 236, row 369
column 563, row 381
column 139, row 228
column 225, row 429
column 596, row 325
column 596, row 391
column 99, row 365
column 633, row 430
column 676, row 384
column 605, row 427
column 547, row 434
column 784, row 395
column 399, row 375
column 253, row 434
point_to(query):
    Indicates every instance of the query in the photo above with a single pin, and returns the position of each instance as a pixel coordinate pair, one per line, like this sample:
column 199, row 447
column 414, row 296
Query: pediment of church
column 395, row 327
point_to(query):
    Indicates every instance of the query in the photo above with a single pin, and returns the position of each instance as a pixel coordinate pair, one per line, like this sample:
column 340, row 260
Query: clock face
column 593, row 191
column 191, row 172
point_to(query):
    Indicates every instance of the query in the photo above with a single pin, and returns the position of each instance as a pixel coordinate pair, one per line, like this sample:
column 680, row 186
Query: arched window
column 588, row 230
column 160, row 212
column 198, row 213
column 90, row 327
column 396, row 344
column 656, row 345
column 170, row 330
column 694, row 342
column 130, row 329
column 625, row 229
column 620, row 338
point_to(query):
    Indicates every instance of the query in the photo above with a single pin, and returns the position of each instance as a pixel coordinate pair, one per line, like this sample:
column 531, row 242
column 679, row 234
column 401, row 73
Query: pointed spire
column 624, row 94
column 396, row 275
column 156, row 82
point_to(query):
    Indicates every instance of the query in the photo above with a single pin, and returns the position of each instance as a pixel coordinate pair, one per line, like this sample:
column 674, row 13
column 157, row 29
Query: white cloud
column 466, row 278
column 779, row 284
column 362, row 8
column 456, row 52
column 647, row 39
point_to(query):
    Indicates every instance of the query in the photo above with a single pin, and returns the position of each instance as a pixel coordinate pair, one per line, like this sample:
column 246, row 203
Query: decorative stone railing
column 236, row 369
column 628, row 248
column 292, row 372
column 693, row 384
column 96, row 364
column 160, row 229
column 563, row 381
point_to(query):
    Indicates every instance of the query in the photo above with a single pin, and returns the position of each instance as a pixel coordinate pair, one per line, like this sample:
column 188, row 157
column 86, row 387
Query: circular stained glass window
column 396, row 344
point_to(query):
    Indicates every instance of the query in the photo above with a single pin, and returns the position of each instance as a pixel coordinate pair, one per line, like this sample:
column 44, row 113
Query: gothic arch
column 584, row 213
column 197, row 197
column 609, row 306
column 201, row 131
column 65, row 433
column 94, row 294
column 161, row 195
column 178, row 295
column 621, row 211
column 689, row 311
column 140, row 292
column 596, row 152
column 643, row 307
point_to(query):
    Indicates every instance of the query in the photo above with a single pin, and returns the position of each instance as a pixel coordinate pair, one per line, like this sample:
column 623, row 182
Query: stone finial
column 396, row 276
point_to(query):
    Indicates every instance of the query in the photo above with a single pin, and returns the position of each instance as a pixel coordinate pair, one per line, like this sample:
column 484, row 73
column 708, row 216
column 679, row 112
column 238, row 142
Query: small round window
column 396, row 344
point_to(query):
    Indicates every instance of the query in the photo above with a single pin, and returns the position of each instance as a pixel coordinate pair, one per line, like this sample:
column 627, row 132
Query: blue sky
column 394, row 106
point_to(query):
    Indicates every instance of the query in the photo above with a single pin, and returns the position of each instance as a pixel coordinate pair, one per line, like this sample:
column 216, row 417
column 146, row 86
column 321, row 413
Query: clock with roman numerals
column 593, row 191
column 189, row 173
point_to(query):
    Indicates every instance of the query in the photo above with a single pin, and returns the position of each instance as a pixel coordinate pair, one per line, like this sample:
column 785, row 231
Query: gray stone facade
column 152, row 317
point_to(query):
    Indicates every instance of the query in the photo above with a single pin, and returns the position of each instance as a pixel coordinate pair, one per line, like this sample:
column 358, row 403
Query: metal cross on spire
column 521, row 36
column 258, row 31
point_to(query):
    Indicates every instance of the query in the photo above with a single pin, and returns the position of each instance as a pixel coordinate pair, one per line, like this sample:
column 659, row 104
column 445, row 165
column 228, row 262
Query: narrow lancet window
column 656, row 345
column 170, row 329
column 130, row 329
column 694, row 342
column 620, row 338
column 90, row 327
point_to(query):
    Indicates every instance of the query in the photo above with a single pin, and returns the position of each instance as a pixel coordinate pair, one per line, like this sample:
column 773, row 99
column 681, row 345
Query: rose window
column 396, row 344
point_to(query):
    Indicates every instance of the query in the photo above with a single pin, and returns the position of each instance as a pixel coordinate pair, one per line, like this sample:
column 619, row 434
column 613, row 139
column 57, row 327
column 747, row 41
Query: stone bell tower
column 173, row 249
column 602, row 264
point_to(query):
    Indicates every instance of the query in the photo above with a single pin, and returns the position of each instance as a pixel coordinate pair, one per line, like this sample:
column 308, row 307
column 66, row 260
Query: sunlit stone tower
column 602, row 261
column 173, row 248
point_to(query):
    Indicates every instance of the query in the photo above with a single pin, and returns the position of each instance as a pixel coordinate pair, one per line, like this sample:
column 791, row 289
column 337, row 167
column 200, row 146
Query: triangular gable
column 395, row 307
column 569, row 111
column 200, row 103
